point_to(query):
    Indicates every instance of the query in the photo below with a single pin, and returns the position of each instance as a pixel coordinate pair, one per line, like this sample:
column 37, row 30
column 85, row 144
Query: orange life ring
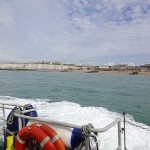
column 33, row 133
column 52, row 134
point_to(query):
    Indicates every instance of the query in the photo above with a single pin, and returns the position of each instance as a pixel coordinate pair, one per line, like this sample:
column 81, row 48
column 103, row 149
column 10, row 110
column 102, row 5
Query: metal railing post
column 119, row 136
column 19, row 123
column 87, row 142
column 3, row 129
column 3, row 111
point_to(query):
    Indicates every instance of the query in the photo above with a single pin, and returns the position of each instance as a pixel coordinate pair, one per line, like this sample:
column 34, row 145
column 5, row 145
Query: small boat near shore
column 134, row 73
column 92, row 71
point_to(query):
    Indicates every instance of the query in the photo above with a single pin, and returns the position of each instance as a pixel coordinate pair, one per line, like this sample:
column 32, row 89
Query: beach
column 123, row 72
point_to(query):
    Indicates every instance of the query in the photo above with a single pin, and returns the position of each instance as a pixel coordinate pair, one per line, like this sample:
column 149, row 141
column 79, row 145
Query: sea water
column 82, row 98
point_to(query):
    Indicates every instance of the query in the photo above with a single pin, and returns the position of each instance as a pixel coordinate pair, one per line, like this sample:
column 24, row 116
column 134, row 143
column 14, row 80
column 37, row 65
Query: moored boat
column 134, row 73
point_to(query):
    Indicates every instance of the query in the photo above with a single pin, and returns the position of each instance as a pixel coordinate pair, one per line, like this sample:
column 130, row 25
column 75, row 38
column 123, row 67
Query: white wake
column 136, row 138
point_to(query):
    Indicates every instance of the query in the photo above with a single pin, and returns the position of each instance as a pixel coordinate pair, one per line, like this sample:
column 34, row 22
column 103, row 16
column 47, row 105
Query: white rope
column 87, row 133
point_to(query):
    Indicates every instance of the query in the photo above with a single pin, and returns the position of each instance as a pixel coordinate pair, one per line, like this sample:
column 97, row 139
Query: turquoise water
column 117, row 93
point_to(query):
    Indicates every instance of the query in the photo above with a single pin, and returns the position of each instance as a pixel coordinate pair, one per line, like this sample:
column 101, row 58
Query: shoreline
column 124, row 72
column 83, row 71
column 65, row 68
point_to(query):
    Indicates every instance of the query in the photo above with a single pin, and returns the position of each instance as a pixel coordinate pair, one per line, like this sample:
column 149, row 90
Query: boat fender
column 76, row 138
column 12, row 121
column 31, row 114
column 12, row 125
column 72, row 137
column 10, row 143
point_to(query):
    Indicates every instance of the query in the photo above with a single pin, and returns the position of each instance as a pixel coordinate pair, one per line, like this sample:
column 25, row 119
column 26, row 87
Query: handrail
column 106, row 128
column 48, row 121
column 11, row 104
column 24, row 111
column 6, row 107
column 29, row 110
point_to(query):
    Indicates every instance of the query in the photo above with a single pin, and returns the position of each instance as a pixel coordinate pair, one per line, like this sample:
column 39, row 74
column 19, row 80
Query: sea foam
column 64, row 111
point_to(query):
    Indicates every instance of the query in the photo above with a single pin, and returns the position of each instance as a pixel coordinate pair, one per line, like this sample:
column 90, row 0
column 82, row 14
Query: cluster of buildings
column 125, row 67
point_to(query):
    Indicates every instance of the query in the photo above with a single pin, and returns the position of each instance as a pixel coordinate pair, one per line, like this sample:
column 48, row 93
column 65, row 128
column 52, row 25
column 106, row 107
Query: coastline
column 63, row 68
column 124, row 72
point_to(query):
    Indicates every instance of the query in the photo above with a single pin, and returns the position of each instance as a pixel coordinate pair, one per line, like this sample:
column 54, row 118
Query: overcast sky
column 75, row 31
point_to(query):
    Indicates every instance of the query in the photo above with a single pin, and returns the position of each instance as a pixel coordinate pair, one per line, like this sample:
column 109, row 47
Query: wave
column 137, row 138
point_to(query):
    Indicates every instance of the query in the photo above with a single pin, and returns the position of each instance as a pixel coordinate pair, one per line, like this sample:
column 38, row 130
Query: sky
column 75, row 31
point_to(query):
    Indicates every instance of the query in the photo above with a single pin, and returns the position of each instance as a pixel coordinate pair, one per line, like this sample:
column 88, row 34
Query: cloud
column 101, row 12
column 99, row 31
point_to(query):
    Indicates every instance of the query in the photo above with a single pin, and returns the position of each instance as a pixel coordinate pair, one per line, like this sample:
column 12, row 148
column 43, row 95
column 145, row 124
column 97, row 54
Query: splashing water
column 136, row 138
